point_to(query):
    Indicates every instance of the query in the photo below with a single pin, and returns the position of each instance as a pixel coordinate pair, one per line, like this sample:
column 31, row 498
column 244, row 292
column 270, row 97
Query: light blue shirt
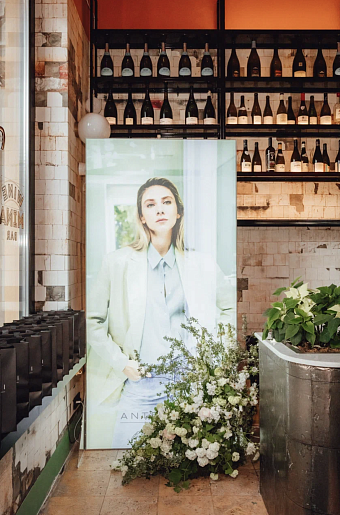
column 165, row 304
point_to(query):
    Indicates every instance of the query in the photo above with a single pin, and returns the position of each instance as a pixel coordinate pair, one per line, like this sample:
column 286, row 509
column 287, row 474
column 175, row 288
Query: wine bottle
column 336, row 111
column 336, row 62
column 106, row 65
column 128, row 66
column 337, row 160
column 163, row 64
column 256, row 113
column 270, row 156
column 295, row 160
column 165, row 116
column 184, row 67
column 312, row 114
column 233, row 67
column 110, row 111
column 232, row 111
column 325, row 115
column 209, row 116
column 146, row 114
column 130, row 117
column 268, row 118
column 145, row 63
column 254, row 63
column 320, row 67
column 299, row 64
column 304, row 158
column 276, row 65
column 281, row 115
column 291, row 120
column 280, row 165
column 325, row 159
column 242, row 115
column 303, row 113
column 317, row 158
column 191, row 111
column 245, row 158
column 207, row 67
column 256, row 164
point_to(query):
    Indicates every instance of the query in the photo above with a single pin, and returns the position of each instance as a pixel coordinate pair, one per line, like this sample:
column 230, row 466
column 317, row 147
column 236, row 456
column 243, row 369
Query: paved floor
column 94, row 489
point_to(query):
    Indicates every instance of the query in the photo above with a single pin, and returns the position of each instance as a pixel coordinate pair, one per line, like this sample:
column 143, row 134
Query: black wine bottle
column 336, row 62
column 209, row 116
column 270, row 156
column 299, row 64
column 325, row 115
column 276, row 65
column 320, row 67
column 184, row 67
column 130, row 117
column 145, row 63
column 312, row 114
column 268, row 118
column 337, row 160
column 304, row 158
column 191, row 111
column 233, row 67
column 295, row 160
column 146, row 114
column 207, row 67
column 291, row 120
column 128, row 66
column 163, row 64
column 280, row 165
column 302, row 117
column 232, row 111
column 254, row 63
column 256, row 164
column 325, row 159
column 245, row 158
column 110, row 111
column 256, row 113
column 242, row 115
column 106, row 65
column 166, row 111
column 281, row 115
column 317, row 158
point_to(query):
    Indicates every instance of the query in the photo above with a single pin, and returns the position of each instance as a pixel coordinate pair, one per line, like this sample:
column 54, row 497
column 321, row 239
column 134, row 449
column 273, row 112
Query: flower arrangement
column 204, row 426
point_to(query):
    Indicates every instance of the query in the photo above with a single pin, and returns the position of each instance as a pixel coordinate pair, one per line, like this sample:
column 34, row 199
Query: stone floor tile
column 199, row 486
column 83, row 483
column 73, row 506
column 117, row 505
column 184, row 505
column 246, row 483
column 97, row 460
column 239, row 505
column 139, row 487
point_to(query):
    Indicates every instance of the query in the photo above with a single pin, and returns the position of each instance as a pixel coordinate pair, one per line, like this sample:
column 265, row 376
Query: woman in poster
column 144, row 292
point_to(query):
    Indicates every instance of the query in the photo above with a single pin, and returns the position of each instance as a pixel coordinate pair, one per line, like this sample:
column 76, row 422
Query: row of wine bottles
column 166, row 117
column 284, row 115
column 163, row 64
column 299, row 161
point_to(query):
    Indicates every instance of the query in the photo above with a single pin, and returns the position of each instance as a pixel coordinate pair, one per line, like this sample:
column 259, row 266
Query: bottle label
column 291, row 122
column 106, row 72
column 237, row 74
column 278, row 73
column 268, row 120
column 209, row 121
column 243, row 120
column 326, row 120
column 303, row 120
column 337, row 114
column 295, row 166
column 304, row 167
column 257, row 120
column 232, row 120
column 337, row 71
column 164, row 121
column 313, row 120
column 112, row 120
column 147, row 120
column 337, row 166
column 326, row 168
column 282, row 119
column 318, row 167
column 128, row 121
column 184, row 72
column 206, row 72
column 300, row 73
column 257, row 168
column 145, row 72
column 280, row 167
column 191, row 120
column 245, row 166
column 255, row 72
column 164, row 71
column 270, row 161
column 127, row 72
column 321, row 74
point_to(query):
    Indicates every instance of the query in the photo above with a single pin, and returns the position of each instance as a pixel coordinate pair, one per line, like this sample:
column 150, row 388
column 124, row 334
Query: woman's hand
column 131, row 370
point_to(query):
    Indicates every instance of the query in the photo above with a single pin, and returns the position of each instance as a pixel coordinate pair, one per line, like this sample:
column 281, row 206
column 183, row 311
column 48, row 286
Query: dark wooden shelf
column 102, row 85
column 165, row 131
column 271, row 39
column 287, row 177
column 283, row 85
column 287, row 223
column 283, row 131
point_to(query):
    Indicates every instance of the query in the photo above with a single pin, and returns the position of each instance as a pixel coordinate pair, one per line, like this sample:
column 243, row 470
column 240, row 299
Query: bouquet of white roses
column 205, row 425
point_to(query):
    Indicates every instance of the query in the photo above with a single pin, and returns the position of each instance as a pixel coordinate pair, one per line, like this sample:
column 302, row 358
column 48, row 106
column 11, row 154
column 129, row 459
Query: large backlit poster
column 160, row 247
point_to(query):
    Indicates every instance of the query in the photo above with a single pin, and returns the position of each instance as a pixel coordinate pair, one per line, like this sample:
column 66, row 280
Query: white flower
column 256, row 457
column 235, row 456
column 180, row 431
column 155, row 442
column 200, row 452
column 115, row 465
column 251, row 448
column 228, row 434
column 191, row 455
column 211, row 389
column 204, row 413
column 166, row 447
column 234, row 399
column 195, row 430
column 214, row 446
column 205, row 443
column 138, row 459
column 124, row 469
column 174, row 415
column 221, row 382
column 193, row 442
column 148, row 429
column 234, row 474
column 202, row 461
column 152, row 458
column 184, row 440
column 214, row 477
column 211, row 454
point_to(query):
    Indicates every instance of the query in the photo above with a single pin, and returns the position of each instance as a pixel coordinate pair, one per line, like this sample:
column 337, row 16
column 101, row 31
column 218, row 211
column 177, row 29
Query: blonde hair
column 143, row 237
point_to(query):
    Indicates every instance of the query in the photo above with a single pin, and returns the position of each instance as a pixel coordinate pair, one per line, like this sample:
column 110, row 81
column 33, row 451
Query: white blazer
column 116, row 311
